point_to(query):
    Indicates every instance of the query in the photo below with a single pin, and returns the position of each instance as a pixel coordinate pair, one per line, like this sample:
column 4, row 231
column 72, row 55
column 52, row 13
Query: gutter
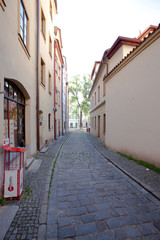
column 37, row 73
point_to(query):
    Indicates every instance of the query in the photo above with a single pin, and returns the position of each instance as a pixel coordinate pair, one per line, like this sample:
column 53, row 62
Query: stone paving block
column 157, row 225
column 41, row 232
column 85, row 229
column 80, row 211
column 101, row 226
column 63, row 222
column 66, row 232
column 147, row 229
column 88, row 218
column 120, row 234
column 51, row 231
column 70, row 212
column 102, row 215
column 115, row 223
column 104, row 236
column 92, row 208
column 43, row 214
column 132, row 232
column 83, row 238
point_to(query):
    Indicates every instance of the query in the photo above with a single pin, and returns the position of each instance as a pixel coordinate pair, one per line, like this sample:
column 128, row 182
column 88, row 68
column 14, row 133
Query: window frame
column 50, row 46
column 99, row 93
column 49, row 83
column 3, row 4
column 49, row 121
column 42, row 73
column 43, row 24
column 23, row 24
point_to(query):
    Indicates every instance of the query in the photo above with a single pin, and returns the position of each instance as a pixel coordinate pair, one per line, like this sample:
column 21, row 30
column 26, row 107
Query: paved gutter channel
column 111, row 156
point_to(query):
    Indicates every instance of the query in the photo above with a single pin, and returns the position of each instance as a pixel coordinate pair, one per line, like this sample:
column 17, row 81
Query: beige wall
column 17, row 66
column 132, row 109
column 97, row 109
column 47, row 99
column 118, row 56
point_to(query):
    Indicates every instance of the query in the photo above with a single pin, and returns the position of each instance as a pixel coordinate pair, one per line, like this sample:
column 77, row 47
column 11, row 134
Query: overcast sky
column 89, row 27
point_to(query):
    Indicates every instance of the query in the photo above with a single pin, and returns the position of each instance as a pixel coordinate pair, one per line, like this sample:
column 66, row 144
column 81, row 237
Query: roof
column 94, row 68
column 150, row 29
column 119, row 42
column 146, row 34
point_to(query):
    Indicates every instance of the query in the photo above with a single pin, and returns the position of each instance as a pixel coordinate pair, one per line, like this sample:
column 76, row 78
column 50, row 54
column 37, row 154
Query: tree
column 79, row 92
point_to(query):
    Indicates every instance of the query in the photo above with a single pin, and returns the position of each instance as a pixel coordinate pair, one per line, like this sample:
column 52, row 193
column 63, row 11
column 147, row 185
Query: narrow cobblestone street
column 92, row 199
column 73, row 192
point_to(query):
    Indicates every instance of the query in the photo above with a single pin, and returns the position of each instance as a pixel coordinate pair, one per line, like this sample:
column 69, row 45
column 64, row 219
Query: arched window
column 14, row 114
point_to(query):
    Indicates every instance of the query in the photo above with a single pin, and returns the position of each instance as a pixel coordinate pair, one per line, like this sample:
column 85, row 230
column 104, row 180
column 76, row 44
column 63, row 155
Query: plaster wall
column 132, row 109
column 20, row 67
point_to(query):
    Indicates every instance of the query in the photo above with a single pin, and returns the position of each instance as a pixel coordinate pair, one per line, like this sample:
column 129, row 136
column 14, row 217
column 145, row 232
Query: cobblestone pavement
column 31, row 212
column 148, row 178
column 92, row 199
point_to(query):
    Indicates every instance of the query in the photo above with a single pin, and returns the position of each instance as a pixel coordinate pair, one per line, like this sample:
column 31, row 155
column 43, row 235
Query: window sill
column 43, row 85
column 23, row 45
column 44, row 36
column 2, row 4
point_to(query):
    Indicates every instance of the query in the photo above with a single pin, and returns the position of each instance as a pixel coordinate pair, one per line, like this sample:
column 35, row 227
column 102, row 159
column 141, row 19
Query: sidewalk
column 146, row 178
column 20, row 219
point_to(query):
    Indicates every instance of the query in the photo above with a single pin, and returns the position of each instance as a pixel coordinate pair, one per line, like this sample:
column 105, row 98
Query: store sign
column 6, row 142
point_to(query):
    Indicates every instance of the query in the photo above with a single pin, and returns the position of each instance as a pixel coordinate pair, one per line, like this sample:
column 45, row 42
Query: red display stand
column 13, row 171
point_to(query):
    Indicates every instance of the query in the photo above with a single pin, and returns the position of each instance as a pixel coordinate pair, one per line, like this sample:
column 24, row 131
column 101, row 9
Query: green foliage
column 2, row 201
column 79, row 95
column 140, row 162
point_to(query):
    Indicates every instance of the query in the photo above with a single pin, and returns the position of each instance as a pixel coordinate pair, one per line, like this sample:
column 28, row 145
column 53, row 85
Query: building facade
column 131, row 101
column 27, row 89
column 58, row 84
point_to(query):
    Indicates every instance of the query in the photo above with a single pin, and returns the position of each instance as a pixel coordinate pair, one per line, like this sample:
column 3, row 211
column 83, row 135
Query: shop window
column 23, row 24
column 43, row 24
column 14, row 114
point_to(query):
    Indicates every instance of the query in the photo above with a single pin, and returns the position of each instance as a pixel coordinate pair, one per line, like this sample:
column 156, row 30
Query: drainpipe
column 38, row 71
column 54, row 89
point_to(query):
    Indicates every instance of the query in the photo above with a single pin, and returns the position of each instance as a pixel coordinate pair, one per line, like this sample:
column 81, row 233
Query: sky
column 89, row 27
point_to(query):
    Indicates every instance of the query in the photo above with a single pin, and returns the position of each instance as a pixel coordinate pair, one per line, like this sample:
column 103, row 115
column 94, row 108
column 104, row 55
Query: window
column 51, row 10
column 14, row 114
column 95, row 98
column 104, row 89
column 2, row 4
column 98, row 93
column 50, row 46
column 43, row 24
column 49, row 84
column 104, row 123
column 42, row 72
column 95, row 123
column 49, row 121
column 23, row 24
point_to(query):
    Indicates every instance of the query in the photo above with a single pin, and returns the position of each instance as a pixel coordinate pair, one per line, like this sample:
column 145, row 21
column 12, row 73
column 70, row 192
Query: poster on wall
column 10, row 184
